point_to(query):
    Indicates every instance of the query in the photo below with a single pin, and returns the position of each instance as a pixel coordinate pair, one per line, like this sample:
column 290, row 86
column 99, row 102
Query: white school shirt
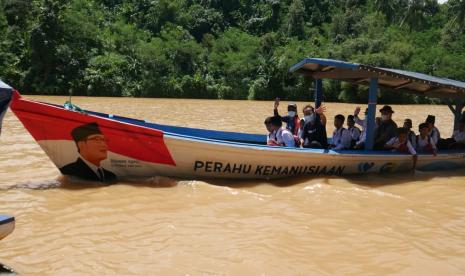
column 354, row 133
column 341, row 139
column 363, row 124
column 412, row 138
column 434, row 134
column 394, row 140
column 282, row 137
column 422, row 143
column 459, row 136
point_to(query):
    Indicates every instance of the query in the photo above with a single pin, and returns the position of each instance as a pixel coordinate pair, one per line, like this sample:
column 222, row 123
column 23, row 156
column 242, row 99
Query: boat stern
column 7, row 225
column 6, row 94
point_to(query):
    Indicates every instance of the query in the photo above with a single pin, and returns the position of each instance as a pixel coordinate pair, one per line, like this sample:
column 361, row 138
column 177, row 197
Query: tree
column 296, row 19
column 456, row 10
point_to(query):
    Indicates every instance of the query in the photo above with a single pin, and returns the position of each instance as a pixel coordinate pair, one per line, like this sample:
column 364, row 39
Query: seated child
column 411, row 135
column 400, row 143
column 424, row 142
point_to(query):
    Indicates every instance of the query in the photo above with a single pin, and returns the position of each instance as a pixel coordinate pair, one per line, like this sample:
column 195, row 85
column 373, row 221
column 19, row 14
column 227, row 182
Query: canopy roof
column 418, row 83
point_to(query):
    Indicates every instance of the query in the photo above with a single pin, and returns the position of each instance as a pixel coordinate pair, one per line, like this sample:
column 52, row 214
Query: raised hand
column 320, row 110
column 357, row 111
column 276, row 103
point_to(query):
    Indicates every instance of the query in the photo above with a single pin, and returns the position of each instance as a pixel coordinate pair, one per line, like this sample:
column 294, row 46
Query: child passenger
column 433, row 131
column 424, row 141
column 411, row 135
column 278, row 136
column 400, row 143
column 341, row 136
column 353, row 130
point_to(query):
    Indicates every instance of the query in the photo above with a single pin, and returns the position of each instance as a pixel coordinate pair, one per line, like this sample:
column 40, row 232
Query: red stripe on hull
column 46, row 122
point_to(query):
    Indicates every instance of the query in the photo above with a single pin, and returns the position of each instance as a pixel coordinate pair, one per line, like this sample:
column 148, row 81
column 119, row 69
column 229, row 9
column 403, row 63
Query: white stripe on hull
column 207, row 159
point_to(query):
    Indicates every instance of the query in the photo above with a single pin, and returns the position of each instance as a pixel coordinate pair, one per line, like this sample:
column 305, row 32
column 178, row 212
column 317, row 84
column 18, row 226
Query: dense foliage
column 228, row 49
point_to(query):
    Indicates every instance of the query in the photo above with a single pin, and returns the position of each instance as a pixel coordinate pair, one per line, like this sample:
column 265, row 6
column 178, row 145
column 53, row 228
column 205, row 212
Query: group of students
column 310, row 132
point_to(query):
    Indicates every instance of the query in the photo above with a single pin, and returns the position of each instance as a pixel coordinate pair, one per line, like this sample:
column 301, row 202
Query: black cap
column 82, row 132
column 387, row 108
column 408, row 122
column 292, row 107
column 422, row 125
column 430, row 119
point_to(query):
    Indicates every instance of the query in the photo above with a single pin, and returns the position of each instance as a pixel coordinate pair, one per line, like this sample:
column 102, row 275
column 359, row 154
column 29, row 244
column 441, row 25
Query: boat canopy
column 318, row 68
column 413, row 82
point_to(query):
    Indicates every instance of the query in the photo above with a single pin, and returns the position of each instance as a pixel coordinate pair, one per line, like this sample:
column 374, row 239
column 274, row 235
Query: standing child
column 400, row 143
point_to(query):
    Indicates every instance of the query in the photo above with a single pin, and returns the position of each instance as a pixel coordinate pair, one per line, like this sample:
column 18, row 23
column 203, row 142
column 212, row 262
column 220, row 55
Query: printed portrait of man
column 93, row 149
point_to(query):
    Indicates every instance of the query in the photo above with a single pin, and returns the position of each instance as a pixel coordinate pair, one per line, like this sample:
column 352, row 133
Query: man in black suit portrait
column 92, row 147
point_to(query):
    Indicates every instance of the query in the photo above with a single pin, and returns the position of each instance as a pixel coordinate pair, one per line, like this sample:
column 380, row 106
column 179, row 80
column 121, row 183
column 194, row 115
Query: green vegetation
column 226, row 49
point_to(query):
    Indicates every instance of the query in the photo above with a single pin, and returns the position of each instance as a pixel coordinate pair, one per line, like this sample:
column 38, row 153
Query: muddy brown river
column 411, row 224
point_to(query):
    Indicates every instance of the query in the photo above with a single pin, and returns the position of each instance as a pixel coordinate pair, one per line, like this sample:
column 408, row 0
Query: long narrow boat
column 122, row 147
column 7, row 225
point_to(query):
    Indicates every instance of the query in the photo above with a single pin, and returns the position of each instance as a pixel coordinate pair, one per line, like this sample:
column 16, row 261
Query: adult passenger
column 387, row 128
column 433, row 131
column 341, row 136
column 291, row 119
column 278, row 136
column 309, row 111
column 313, row 134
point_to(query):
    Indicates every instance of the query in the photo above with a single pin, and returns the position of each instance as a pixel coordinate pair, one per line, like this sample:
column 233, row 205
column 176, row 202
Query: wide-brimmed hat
column 386, row 108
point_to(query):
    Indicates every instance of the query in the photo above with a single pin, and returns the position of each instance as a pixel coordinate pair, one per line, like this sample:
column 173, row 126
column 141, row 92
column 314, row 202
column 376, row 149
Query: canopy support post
column 372, row 100
column 318, row 92
column 457, row 111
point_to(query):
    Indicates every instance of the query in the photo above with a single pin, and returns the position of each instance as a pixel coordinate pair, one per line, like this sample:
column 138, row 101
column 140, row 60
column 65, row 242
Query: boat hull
column 7, row 225
column 138, row 150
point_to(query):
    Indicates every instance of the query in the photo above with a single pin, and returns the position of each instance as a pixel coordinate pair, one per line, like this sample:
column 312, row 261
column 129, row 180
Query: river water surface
column 407, row 224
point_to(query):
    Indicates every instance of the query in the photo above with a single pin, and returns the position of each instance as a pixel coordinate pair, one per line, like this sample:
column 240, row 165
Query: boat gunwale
column 339, row 153
column 5, row 219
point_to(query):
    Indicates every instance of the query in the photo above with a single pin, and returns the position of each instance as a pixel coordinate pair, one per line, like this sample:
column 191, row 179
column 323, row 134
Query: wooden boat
column 7, row 225
column 135, row 148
